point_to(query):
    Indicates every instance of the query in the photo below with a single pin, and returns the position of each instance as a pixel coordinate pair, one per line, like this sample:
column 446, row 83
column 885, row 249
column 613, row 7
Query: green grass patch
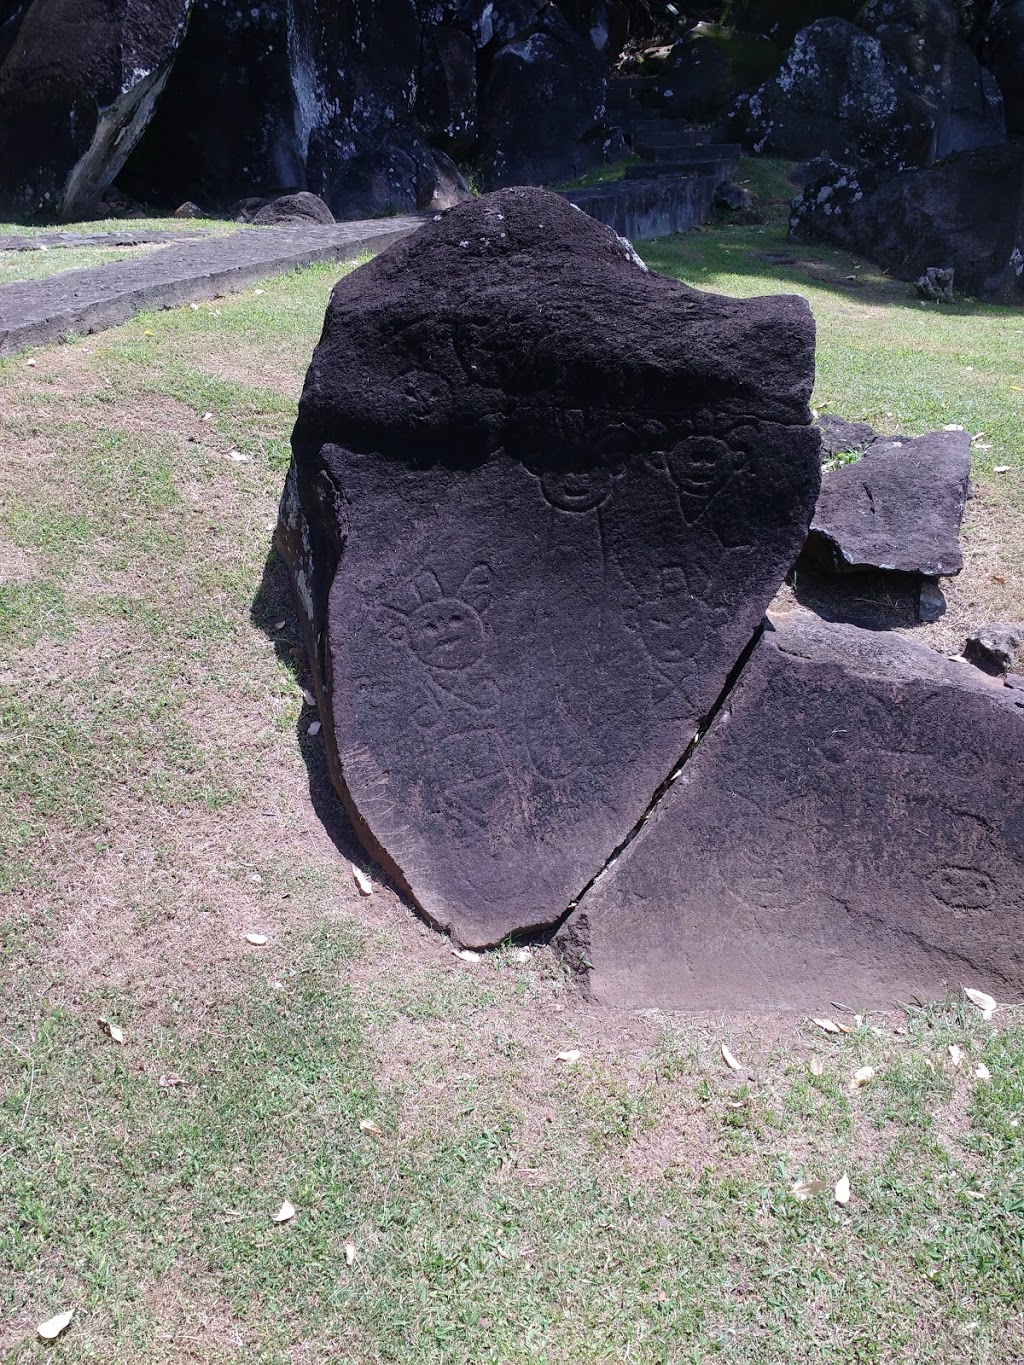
column 153, row 808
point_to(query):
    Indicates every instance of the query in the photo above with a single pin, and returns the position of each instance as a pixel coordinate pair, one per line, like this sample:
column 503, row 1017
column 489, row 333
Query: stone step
column 723, row 169
column 689, row 154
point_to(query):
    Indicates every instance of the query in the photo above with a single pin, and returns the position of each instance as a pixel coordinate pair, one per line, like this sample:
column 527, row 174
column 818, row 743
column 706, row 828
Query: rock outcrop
column 850, row 828
column 966, row 213
column 899, row 88
column 538, row 503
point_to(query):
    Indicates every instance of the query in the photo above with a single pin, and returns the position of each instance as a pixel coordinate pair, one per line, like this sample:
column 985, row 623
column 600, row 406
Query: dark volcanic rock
column 1004, row 44
column 898, row 88
column 840, row 437
column 851, row 828
column 966, row 213
column 542, row 109
column 539, row 499
column 77, row 87
column 899, row 507
column 997, row 646
column 293, row 208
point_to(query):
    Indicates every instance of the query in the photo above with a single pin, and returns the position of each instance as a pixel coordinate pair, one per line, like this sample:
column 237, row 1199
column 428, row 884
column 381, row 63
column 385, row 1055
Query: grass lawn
column 460, row 1194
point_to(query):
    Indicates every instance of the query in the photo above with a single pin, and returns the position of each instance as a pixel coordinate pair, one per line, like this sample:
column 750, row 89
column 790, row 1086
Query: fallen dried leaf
column 982, row 1072
column 112, row 1030
column 51, row 1329
column 362, row 881
column 314, row 730
column 465, row 955
column 523, row 955
column 984, row 1002
column 730, row 1060
column 171, row 1079
column 308, row 697
column 31, row 364
column 257, row 940
column 806, row 1189
column 571, row 1056
column 956, row 1055
column 207, row 417
column 827, row 1025
column 1001, row 468
column 817, row 1066
column 285, row 1213
column 842, row 1192
column 350, row 1253
column 368, row 1126
column 239, row 456
column 861, row 1077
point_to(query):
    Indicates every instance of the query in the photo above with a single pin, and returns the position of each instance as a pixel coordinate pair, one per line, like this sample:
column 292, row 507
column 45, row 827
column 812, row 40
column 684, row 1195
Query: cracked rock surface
column 539, row 501
column 851, row 828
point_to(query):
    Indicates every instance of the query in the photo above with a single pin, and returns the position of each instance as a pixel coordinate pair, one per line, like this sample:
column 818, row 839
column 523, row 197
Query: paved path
column 40, row 312
column 48, row 241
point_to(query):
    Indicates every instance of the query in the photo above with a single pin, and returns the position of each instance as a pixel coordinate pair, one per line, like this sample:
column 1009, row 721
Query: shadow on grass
column 273, row 612
column 702, row 258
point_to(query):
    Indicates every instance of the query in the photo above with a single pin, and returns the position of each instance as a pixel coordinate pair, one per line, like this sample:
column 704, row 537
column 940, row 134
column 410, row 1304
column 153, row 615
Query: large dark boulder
column 539, row 499
column 1004, row 52
column 78, row 85
column 899, row 88
column 851, row 828
column 897, row 508
column 542, row 108
column 293, row 208
column 966, row 213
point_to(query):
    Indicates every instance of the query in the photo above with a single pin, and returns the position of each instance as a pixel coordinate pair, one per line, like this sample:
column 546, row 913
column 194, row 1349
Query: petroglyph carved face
column 445, row 630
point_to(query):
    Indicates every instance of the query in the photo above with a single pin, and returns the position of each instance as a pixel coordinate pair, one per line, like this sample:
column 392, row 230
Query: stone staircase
column 673, row 186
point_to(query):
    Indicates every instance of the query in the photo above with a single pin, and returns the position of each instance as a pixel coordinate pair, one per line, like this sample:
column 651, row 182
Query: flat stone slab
column 851, row 828
column 539, row 500
column 40, row 312
column 898, row 507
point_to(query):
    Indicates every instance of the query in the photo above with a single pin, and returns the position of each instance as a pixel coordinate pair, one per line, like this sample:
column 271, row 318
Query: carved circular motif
column 446, row 633
column 576, row 490
column 962, row 888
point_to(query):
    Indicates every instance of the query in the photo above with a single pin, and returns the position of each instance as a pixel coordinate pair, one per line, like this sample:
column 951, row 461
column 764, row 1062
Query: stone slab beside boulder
column 851, row 828
column 539, row 501
column 897, row 508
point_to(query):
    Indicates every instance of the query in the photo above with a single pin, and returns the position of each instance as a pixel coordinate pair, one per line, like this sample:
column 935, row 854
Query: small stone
column 931, row 602
column 997, row 646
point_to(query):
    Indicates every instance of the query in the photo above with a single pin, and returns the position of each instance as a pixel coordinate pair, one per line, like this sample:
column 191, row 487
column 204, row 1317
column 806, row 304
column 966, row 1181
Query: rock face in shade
column 538, row 503
column 898, row 507
column 78, row 85
column 851, row 828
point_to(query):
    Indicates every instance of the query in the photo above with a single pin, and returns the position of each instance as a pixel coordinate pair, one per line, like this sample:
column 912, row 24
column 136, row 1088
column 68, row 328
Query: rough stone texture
column 900, row 88
column 538, row 501
column 997, row 646
column 39, row 312
column 967, row 213
column 898, row 508
column 294, row 208
column 851, row 828
column 78, row 85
